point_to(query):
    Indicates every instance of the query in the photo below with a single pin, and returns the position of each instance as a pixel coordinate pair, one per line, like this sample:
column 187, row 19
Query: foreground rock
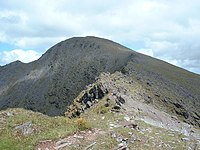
column 25, row 129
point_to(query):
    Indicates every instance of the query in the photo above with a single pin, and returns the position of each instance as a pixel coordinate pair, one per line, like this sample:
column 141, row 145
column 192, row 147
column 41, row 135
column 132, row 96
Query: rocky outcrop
column 104, row 87
column 86, row 99
column 119, row 88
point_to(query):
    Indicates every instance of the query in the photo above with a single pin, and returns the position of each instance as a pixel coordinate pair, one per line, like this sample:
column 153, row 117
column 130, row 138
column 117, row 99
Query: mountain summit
column 52, row 82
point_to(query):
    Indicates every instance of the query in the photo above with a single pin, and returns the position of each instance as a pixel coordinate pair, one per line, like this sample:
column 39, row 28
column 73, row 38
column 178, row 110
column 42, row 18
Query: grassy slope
column 186, row 79
column 46, row 128
column 171, row 83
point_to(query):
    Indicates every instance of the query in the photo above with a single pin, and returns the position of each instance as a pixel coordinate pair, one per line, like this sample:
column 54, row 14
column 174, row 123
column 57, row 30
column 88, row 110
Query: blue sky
column 6, row 46
column 165, row 29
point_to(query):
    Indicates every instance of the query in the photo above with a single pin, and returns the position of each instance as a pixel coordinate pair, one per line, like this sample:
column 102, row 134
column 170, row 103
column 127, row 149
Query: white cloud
column 169, row 30
column 191, row 65
column 41, row 41
column 148, row 52
column 18, row 54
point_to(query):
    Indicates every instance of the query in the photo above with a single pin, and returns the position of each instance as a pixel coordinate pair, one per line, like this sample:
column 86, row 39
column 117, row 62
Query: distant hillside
column 51, row 83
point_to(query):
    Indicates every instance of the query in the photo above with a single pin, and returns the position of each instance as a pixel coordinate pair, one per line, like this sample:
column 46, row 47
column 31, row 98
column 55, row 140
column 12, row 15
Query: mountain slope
column 170, row 88
column 51, row 83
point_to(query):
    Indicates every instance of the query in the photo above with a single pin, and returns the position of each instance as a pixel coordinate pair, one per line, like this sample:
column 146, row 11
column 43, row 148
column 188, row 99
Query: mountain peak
column 89, row 46
column 61, row 73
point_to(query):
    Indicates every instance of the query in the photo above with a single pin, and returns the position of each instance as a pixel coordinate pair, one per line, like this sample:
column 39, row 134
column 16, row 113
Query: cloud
column 18, row 54
column 168, row 30
column 192, row 65
column 148, row 52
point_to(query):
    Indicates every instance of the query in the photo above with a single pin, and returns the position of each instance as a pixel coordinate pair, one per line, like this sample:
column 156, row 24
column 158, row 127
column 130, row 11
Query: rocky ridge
column 119, row 97
column 118, row 87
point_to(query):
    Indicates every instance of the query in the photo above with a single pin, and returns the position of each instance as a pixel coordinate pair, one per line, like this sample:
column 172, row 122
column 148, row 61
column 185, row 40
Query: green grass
column 44, row 128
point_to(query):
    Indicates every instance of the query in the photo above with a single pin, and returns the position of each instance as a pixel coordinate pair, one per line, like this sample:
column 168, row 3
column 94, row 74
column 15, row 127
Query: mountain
column 95, row 78
column 51, row 83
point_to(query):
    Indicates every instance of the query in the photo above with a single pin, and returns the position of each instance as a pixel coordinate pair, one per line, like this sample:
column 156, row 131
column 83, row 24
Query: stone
column 89, row 146
column 106, row 104
column 78, row 136
column 121, row 100
column 117, row 107
column 9, row 114
column 185, row 139
column 89, row 104
column 113, row 135
column 63, row 145
column 119, row 139
column 132, row 125
column 100, row 92
column 25, row 128
column 112, row 125
column 124, row 148
column 127, row 118
column 96, row 100
column 114, row 92
column 148, row 83
column 130, row 133
column 157, row 95
column 147, row 99
column 85, row 98
column 128, row 124
column 120, row 145
column 174, row 117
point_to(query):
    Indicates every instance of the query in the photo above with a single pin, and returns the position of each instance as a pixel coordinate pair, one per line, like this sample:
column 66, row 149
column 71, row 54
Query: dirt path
column 72, row 141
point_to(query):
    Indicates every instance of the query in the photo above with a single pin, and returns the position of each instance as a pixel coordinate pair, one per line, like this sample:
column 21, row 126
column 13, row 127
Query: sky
column 165, row 29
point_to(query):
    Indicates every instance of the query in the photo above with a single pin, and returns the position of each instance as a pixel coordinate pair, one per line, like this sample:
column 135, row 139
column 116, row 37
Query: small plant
column 82, row 124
